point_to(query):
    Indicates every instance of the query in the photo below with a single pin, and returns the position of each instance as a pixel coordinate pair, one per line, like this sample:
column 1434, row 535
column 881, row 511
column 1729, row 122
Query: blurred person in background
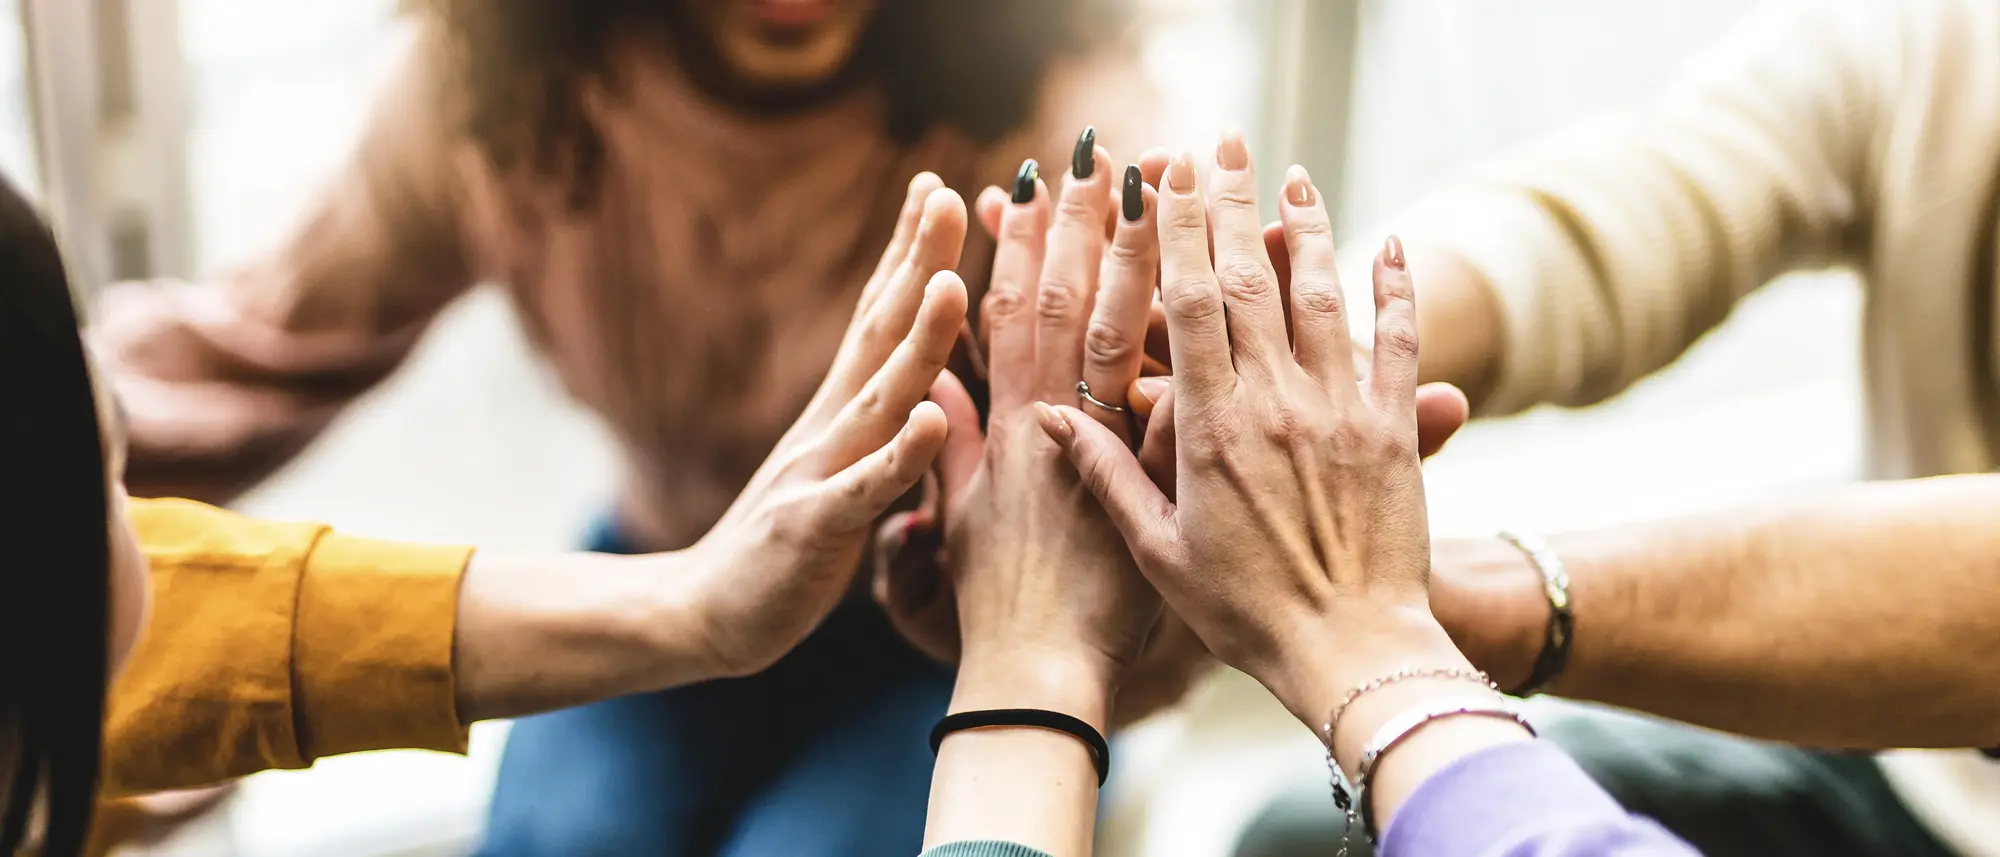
column 1856, row 133
column 683, row 198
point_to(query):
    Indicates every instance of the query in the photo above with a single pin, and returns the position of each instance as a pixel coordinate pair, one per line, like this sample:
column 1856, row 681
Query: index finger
column 1197, row 334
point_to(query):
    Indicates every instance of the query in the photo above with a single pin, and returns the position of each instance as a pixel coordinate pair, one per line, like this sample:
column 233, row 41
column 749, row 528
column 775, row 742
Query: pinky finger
column 856, row 496
column 1393, row 381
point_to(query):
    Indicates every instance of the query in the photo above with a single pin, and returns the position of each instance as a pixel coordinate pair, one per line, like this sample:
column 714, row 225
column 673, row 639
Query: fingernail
column 1024, row 182
column 1052, row 422
column 1083, row 161
column 1298, row 187
column 1392, row 252
column 1135, row 196
column 1153, row 388
column 1231, row 154
column 1180, row 173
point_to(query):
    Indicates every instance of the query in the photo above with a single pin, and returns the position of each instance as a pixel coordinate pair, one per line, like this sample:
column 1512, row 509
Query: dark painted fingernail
column 1024, row 182
column 1392, row 253
column 1135, row 196
column 1083, row 161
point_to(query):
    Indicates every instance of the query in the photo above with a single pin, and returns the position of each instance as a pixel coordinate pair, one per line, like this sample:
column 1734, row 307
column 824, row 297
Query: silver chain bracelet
column 1345, row 797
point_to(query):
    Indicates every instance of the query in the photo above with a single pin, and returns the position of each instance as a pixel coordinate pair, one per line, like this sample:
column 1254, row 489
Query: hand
column 1041, row 577
column 1297, row 546
column 785, row 551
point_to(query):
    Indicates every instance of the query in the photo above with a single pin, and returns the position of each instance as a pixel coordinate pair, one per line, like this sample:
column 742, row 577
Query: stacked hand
column 784, row 553
column 1296, row 544
column 1127, row 330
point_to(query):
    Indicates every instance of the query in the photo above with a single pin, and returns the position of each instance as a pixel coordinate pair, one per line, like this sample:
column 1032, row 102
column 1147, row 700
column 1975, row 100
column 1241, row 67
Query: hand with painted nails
column 1296, row 544
column 1051, row 610
column 786, row 550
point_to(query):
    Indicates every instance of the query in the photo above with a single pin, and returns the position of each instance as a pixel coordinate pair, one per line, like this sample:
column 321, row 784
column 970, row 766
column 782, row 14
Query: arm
column 226, row 381
column 271, row 645
column 277, row 644
column 1052, row 612
column 1567, row 273
column 1859, row 618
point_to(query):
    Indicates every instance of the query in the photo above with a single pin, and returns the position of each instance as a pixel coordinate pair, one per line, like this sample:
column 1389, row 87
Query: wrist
column 1322, row 664
column 1076, row 684
column 1489, row 597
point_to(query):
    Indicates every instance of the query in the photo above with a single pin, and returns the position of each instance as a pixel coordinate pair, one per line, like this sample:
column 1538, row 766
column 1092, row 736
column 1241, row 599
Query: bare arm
column 225, row 381
column 1570, row 271
column 1862, row 618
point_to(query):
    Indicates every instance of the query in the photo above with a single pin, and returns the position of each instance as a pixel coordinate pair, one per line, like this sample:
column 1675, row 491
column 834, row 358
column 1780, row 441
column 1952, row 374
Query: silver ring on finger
column 1083, row 389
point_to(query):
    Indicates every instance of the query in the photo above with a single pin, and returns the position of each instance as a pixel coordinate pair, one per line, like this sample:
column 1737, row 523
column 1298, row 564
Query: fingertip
column 945, row 290
column 1055, row 424
column 926, row 429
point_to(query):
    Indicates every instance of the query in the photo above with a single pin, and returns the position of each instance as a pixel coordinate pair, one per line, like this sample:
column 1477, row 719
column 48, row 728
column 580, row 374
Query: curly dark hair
column 517, row 66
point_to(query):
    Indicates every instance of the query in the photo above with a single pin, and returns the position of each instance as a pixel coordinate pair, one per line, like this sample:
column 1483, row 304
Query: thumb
column 1110, row 472
column 1441, row 411
column 964, row 443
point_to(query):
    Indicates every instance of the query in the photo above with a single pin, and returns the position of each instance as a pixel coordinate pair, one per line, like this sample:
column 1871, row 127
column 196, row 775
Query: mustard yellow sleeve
column 271, row 645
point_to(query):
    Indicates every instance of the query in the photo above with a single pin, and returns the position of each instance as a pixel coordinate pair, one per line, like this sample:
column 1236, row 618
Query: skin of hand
column 909, row 559
column 1296, row 545
column 1051, row 608
column 531, row 639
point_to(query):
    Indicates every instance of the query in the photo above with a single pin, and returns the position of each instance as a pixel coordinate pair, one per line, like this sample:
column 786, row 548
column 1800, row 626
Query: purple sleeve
column 1521, row 800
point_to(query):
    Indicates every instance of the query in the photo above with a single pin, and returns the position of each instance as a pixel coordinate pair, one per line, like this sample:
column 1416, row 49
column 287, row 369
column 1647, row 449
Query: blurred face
column 782, row 44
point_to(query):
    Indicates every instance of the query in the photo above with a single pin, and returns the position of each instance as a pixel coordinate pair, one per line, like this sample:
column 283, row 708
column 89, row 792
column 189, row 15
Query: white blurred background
column 242, row 108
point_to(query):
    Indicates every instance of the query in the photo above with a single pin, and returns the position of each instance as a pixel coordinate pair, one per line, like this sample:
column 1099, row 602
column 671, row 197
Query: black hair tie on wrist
column 1100, row 752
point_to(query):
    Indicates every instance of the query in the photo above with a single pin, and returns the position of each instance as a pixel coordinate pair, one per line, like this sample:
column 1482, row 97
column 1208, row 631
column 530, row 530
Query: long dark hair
column 54, row 607
column 519, row 66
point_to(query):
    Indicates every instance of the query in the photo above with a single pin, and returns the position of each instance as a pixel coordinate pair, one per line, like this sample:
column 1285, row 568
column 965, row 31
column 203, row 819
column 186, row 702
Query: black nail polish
column 1135, row 197
column 1024, row 182
column 1083, row 161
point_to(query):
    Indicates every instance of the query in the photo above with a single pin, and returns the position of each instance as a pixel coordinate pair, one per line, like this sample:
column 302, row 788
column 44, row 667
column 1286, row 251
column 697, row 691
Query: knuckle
column 1317, row 295
column 1233, row 197
column 1284, row 424
column 1312, row 229
column 1187, row 218
column 1193, row 299
column 1076, row 206
column 1130, row 252
column 1107, row 344
column 1244, row 276
column 1021, row 230
column 1058, row 299
column 1003, row 303
column 1397, row 339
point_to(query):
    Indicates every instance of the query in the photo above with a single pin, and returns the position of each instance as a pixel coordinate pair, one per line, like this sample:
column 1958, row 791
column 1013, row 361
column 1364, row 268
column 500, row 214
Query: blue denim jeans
column 822, row 755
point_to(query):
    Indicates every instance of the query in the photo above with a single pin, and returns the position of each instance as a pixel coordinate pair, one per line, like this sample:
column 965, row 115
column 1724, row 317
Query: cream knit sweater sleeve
column 1613, row 246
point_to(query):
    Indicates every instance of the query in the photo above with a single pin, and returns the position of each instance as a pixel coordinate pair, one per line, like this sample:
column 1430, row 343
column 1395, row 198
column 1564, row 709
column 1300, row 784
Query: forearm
column 540, row 633
column 1863, row 618
column 1036, row 787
